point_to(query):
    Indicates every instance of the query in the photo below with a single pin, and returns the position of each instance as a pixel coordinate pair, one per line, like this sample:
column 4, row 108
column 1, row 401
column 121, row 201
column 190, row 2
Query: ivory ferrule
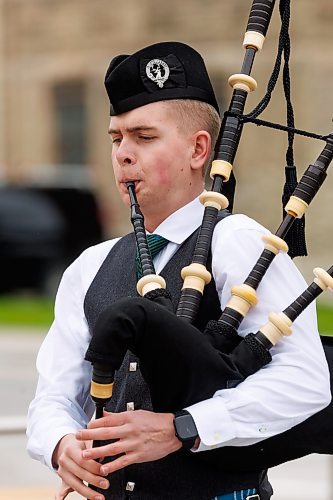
column 221, row 167
column 253, row 39
column 101, row 391
column 213, row 199
column 277, row 327
column 296, row 207
column 241, row 81
column 274, row 243
column 150, row 282
column 243, row 297
column 195, row 276
column 323, row 279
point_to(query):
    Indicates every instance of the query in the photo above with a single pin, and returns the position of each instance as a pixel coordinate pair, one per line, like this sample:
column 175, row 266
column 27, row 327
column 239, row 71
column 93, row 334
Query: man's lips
column 124, row 182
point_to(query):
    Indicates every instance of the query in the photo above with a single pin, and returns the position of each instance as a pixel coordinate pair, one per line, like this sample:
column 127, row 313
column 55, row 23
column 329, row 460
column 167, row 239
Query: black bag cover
column 181, row 367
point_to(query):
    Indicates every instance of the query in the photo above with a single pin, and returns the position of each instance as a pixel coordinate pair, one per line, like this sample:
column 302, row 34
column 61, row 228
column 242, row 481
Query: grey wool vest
column 179, row 476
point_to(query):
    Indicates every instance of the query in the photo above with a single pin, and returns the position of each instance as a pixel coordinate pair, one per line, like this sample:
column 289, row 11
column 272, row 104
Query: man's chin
column 140, row 196
column 125, row 199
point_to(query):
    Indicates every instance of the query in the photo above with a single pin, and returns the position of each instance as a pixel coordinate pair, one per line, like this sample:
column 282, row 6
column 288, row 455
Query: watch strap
column 188, row 442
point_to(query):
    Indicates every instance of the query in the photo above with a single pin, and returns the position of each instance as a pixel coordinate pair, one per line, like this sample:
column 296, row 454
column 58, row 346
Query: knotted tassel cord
column 295, row 238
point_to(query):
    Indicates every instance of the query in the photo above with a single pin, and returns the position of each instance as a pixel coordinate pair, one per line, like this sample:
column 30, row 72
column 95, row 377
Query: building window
column 70, row 123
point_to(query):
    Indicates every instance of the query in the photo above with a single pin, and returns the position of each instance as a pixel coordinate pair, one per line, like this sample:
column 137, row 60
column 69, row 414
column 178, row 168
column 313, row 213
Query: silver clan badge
column 158, row 71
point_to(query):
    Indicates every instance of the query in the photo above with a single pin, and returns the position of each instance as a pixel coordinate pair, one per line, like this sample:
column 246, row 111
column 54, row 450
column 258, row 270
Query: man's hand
column 142, row 436
column 73, row 470
column 63, row 491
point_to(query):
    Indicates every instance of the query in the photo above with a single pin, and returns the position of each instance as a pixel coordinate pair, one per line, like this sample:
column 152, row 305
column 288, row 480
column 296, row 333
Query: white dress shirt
column 288, row 390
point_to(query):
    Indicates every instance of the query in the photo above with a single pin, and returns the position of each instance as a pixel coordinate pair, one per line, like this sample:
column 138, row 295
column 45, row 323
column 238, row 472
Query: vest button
column 130, row 486
column 133, row 367
column 130, row 406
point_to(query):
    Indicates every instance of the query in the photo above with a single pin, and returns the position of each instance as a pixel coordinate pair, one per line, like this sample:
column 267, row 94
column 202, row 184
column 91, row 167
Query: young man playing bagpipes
column 164, row 123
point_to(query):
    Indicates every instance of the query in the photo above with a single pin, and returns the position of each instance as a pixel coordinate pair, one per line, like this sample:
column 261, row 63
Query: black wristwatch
column 185, row 429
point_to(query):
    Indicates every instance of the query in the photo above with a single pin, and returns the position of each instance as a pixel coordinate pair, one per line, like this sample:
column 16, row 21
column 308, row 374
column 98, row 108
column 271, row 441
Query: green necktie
column 155, row 244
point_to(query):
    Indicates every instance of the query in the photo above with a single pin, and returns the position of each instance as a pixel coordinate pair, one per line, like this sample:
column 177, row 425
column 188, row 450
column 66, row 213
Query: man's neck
column 153, row 220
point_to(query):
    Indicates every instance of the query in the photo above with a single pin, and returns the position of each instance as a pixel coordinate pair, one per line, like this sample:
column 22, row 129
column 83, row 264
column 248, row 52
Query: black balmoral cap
column 163, row 71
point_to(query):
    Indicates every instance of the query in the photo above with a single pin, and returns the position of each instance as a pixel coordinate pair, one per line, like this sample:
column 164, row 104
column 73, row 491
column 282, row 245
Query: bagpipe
column 204, row 362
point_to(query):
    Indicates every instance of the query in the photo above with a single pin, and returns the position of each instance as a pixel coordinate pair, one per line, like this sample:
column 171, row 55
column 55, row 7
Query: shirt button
column 130, row 406
column 130, row 486
column 262, row 429
column 133, row 367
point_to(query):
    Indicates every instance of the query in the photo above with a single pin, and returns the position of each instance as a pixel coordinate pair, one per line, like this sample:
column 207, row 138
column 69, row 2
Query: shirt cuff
column 213, row 432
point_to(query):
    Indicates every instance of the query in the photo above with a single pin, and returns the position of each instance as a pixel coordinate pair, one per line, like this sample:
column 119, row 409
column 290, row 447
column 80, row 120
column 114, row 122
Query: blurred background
column 57, row 194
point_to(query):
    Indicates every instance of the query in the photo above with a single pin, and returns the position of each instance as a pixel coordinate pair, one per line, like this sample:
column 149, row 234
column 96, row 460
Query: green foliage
column 23, row 310
column 325, row 319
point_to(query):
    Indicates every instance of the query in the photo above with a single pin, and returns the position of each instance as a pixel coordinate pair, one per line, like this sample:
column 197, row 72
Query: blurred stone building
column 54, row 111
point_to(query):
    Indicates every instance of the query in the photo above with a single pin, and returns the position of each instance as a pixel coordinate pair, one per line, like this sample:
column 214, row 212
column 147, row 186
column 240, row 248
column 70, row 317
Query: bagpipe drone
column 203, row 363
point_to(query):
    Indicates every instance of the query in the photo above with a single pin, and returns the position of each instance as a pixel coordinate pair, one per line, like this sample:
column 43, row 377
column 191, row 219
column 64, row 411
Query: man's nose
column 125, row 155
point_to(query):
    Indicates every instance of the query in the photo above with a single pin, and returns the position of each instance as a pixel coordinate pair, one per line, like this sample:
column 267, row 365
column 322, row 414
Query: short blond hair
column 197, row 115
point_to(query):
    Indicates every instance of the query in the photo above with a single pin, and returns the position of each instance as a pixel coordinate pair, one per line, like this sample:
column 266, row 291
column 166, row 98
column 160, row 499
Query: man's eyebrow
column 131, row 130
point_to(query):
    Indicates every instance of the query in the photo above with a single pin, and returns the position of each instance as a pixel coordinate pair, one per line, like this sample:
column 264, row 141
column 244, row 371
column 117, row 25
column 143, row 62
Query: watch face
column 185, row 426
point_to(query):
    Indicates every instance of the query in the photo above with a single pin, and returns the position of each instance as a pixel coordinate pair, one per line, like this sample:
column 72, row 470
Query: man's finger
column 72, row 462
column 77, row 485
column 109, row 450
column 74, row 469
column 119, row 463
column 100, row 433
column 110, row 419
column 63, row 491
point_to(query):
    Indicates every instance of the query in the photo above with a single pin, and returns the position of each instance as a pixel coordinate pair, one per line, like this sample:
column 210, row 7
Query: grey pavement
column 22, row 478
column 17, row 369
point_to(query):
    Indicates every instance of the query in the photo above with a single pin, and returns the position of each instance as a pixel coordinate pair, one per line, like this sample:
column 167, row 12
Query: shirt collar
column 182, row 223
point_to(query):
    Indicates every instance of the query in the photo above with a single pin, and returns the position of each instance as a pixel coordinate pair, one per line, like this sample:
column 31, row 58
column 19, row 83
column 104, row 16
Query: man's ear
column 201, row 149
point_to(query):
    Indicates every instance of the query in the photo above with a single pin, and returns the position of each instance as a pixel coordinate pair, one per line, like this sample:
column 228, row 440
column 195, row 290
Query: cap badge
column 158, row 71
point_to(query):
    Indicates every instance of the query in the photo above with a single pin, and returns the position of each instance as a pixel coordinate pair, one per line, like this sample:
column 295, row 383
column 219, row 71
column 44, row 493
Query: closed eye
column 147, row 137
column 115, row 140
